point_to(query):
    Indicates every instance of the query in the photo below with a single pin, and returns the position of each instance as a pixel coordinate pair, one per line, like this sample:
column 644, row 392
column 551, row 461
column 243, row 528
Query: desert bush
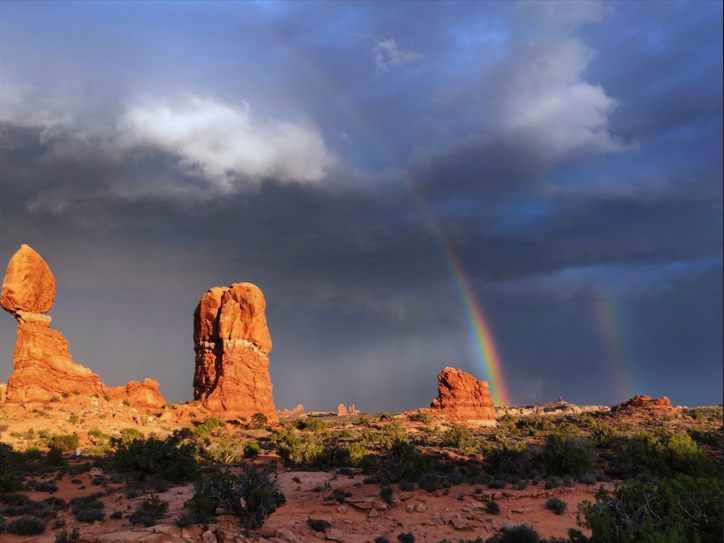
column 27, row 525
column 522, row 533
column 129, row 434
column 492, row 508
column 318, row 525
column 55, row 456
column 67, row 537
column 679, row 509
column 87, row 508
column 251, row 450
column 662, row 455
column 149, row 511
column 566, row 455
column 226, row 452
column 170, row 459
column 33, row 453
column 601, row 434
column 259, row 420
column 556, row 505
column 697, row 415
column 515, row 459
column 711, row 438
column 184, row 520
column 386, row 494
column 116, row 515
column 403, row 462
column 310, row 424
column 460, row 437
column 352, row 455
column 424, row 418
column 406, row 537
column 255, row 488
column 64, row 442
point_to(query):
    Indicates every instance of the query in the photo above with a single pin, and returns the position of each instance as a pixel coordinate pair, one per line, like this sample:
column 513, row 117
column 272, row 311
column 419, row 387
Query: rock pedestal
column 462, row 397
column 42, row 364
column 232, row 343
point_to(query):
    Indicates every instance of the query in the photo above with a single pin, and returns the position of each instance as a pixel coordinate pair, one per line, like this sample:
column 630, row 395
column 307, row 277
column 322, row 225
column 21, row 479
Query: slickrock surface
column 232, row 343
column 462, row 397
column 559, row 408
column 43, row 367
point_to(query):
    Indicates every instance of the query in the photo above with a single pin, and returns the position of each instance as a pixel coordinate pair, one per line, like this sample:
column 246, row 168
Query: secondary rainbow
column 488, row 360
column 607, row 320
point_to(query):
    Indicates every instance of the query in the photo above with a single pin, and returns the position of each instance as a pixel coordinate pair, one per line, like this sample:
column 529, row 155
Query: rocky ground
column 453, row 513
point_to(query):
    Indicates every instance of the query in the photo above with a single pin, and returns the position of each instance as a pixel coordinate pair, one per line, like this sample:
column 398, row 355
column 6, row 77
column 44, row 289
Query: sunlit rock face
column 462, row 397
column 42, row 364
column 232, row 344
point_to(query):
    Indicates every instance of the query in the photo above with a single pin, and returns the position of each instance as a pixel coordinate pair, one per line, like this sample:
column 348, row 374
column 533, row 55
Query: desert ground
column 348, row 478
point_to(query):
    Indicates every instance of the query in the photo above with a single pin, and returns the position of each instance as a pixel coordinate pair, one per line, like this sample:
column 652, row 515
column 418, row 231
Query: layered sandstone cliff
column 232, row 344
column 462, row 397
column 42, row 364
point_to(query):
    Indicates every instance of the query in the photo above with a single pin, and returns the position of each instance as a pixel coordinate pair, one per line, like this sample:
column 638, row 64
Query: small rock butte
column 462, row 397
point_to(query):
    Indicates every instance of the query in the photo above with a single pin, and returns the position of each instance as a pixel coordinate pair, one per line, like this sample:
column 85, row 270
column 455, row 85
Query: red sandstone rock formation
column 298, row 410
column 647, row 401
column 462, row 397
column 232, row 343
column 342, row 410
column 42, row 364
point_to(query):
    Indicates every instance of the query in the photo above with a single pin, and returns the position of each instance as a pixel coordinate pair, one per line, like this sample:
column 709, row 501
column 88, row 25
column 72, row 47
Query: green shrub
column 55, row 456
column 129, row 434
column 149, row 511
column 556, row 505
column 27, row 525
column 662, row 455
column 33, row 453
column 350, row 456
column 64, row 442
column 515, row 459
column 67, row 537
column 492, row 508
column 697, row 415
column 87, row 508
column 406, row 537
column 522, row 533
column 170, row 459
column 566, row 455
column 318, row 525
column 254, row 488
column 702, row 437
column 310, row 424
column 251, row 450
column 460, row 437
column 601, row 434
column 679, row 509
column 259, row 420
column 209, row 425
column 424, row 418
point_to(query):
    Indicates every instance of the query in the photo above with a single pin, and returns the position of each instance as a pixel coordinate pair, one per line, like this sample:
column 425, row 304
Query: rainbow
column 487, row 353
column 607, row 320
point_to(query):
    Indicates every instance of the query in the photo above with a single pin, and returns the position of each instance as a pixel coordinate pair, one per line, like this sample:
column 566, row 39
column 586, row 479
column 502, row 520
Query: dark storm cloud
column 558, row 164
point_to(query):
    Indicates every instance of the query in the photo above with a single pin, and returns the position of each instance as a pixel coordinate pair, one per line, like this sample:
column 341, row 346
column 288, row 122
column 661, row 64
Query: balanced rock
column 462, row 397
column 232, row 343
column 42, row 364
column 29, row 284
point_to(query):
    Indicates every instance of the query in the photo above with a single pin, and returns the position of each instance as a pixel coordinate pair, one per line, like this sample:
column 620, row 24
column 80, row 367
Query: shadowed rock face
column 232, row 343
column 42, row 364
column 462, row 397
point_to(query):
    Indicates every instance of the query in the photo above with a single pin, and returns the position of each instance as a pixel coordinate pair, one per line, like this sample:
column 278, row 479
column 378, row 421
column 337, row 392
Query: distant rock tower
column 232, row 344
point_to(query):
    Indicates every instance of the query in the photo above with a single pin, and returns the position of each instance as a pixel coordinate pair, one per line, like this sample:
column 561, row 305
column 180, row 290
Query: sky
column 378, row 169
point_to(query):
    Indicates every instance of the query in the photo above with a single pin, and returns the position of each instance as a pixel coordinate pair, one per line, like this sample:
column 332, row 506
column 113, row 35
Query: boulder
column 232, row 343
column 462, row 397
column 29, row 284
